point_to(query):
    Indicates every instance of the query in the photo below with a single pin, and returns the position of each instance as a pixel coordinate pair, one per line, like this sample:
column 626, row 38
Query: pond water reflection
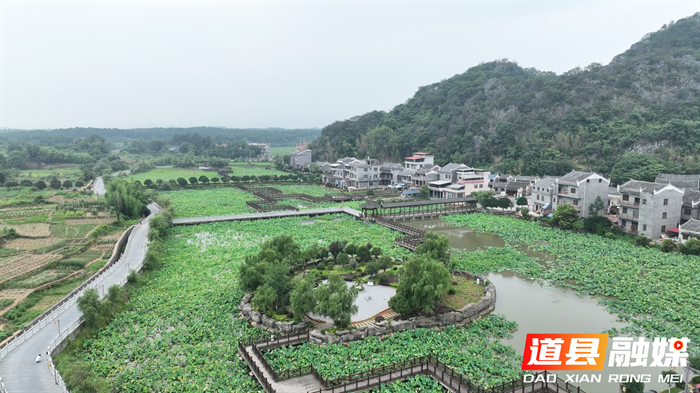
column 539, row 309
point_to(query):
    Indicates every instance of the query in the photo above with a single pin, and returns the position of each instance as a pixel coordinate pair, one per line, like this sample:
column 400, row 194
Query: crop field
column 30, row 230
column 166, row 174
column 656, row 292
column 69, row 230
column 281, row 150
column 31, row 244
column 182, row 331
column 210, row 202
column 61, row 173
column 24, row 265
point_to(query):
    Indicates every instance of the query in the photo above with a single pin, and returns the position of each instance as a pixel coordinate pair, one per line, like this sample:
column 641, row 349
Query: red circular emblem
column 678, row 345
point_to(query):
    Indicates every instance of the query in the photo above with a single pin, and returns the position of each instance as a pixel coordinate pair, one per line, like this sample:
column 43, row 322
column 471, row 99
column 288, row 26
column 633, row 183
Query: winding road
column 19, row 372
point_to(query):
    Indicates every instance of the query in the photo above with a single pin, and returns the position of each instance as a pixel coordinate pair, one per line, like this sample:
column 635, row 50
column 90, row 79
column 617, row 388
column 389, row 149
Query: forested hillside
column 499, row 115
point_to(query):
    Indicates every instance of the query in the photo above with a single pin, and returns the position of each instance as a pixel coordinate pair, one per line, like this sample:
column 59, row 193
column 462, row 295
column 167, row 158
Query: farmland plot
column 31, row 230
column 211, row 202
column 24, row 265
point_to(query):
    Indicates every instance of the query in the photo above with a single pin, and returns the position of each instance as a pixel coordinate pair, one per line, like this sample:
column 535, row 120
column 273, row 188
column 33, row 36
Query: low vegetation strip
column 470, row 350
column 624, row 274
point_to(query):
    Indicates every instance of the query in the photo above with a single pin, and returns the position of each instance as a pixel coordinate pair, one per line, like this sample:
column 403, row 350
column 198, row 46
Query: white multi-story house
column 426, row 174
column 265, row 149
column 649, row 209
column 580, row 189
column 418, row 160
column 543, row 196
column 300, row 158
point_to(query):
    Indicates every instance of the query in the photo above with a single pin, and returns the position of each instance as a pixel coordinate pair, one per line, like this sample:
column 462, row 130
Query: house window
column 600, row 180
column 538, row 197
column 575, row 202
column 625, row 197
column 687, row 212
column 644, row 227
column 644, row 201
column 573, row 190
column 554, row 199
column 624, row 210
column 665, row 202
column 588, row 180
column 663, row 228
column 663, row 215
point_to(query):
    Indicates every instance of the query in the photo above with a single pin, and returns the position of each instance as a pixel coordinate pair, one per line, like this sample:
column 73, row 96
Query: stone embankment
column 467, row 314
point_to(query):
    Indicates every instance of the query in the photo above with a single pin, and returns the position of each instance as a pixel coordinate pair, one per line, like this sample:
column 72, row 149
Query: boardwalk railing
column 255, row 369
column 429, row 365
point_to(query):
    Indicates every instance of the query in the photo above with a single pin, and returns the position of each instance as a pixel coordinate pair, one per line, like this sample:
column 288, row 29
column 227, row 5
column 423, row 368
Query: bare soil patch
column 32, row 244
column 31, row 230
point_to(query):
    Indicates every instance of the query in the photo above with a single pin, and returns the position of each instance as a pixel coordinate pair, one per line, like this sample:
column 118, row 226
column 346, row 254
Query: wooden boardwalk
column 266, row 215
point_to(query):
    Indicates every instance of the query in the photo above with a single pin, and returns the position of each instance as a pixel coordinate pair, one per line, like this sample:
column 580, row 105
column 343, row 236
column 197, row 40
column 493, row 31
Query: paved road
column 98, row 186
column 19, row 372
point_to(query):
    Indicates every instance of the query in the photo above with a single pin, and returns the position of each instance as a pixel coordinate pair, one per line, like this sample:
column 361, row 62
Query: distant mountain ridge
column 277, row 136
column 500, row 115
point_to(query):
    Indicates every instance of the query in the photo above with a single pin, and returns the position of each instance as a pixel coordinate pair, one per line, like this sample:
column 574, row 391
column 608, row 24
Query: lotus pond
column 655, row 292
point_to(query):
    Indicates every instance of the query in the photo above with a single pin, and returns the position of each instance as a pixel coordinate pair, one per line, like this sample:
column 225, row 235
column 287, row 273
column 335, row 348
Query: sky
column 289, row 64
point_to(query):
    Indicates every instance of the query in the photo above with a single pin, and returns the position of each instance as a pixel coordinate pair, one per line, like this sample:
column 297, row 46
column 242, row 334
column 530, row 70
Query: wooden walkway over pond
column 308, row 380
column 267, row 215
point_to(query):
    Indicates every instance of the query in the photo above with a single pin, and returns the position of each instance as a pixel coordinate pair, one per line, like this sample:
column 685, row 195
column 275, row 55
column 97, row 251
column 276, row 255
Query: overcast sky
column 284, row 63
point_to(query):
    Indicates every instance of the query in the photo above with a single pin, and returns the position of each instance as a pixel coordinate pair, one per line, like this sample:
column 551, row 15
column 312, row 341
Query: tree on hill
column 203, row 179
column 193, row 180
column 40, row 185
column 181, row 181
column 556, row 120
column 422, row 281
column 522, row 201
column 55, row 184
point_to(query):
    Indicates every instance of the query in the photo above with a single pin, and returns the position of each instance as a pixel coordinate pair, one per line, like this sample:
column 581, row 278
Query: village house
column 418, row 160
column 681, row 181
column 649, row 209
column 265, row 149
column 580, row 189
column 691, row 205
column 388, row 173
column 690, row 228
column 300, row 158
column 501, row 181
column 426, row 174
column 518, row 188
column 543, row 196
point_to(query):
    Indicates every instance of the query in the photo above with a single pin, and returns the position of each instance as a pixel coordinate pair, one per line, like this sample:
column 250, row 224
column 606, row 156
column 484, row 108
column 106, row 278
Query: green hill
column 500, row 115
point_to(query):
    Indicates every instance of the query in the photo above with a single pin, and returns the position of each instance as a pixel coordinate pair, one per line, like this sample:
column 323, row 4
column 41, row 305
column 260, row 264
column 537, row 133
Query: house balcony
column 628, row 216
column 629, row 203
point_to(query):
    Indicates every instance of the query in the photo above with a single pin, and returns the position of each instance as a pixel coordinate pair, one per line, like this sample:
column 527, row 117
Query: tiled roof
column 574, row 177
column 526, row 178
column 515, row 185
column 691, row 196
column 391, row 165
column 451, row 167
column 641, row 186
column 546, row 182
column 691, row 225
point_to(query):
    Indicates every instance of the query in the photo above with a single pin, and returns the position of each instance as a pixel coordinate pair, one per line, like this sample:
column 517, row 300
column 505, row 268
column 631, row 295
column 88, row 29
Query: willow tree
column 127, row 198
